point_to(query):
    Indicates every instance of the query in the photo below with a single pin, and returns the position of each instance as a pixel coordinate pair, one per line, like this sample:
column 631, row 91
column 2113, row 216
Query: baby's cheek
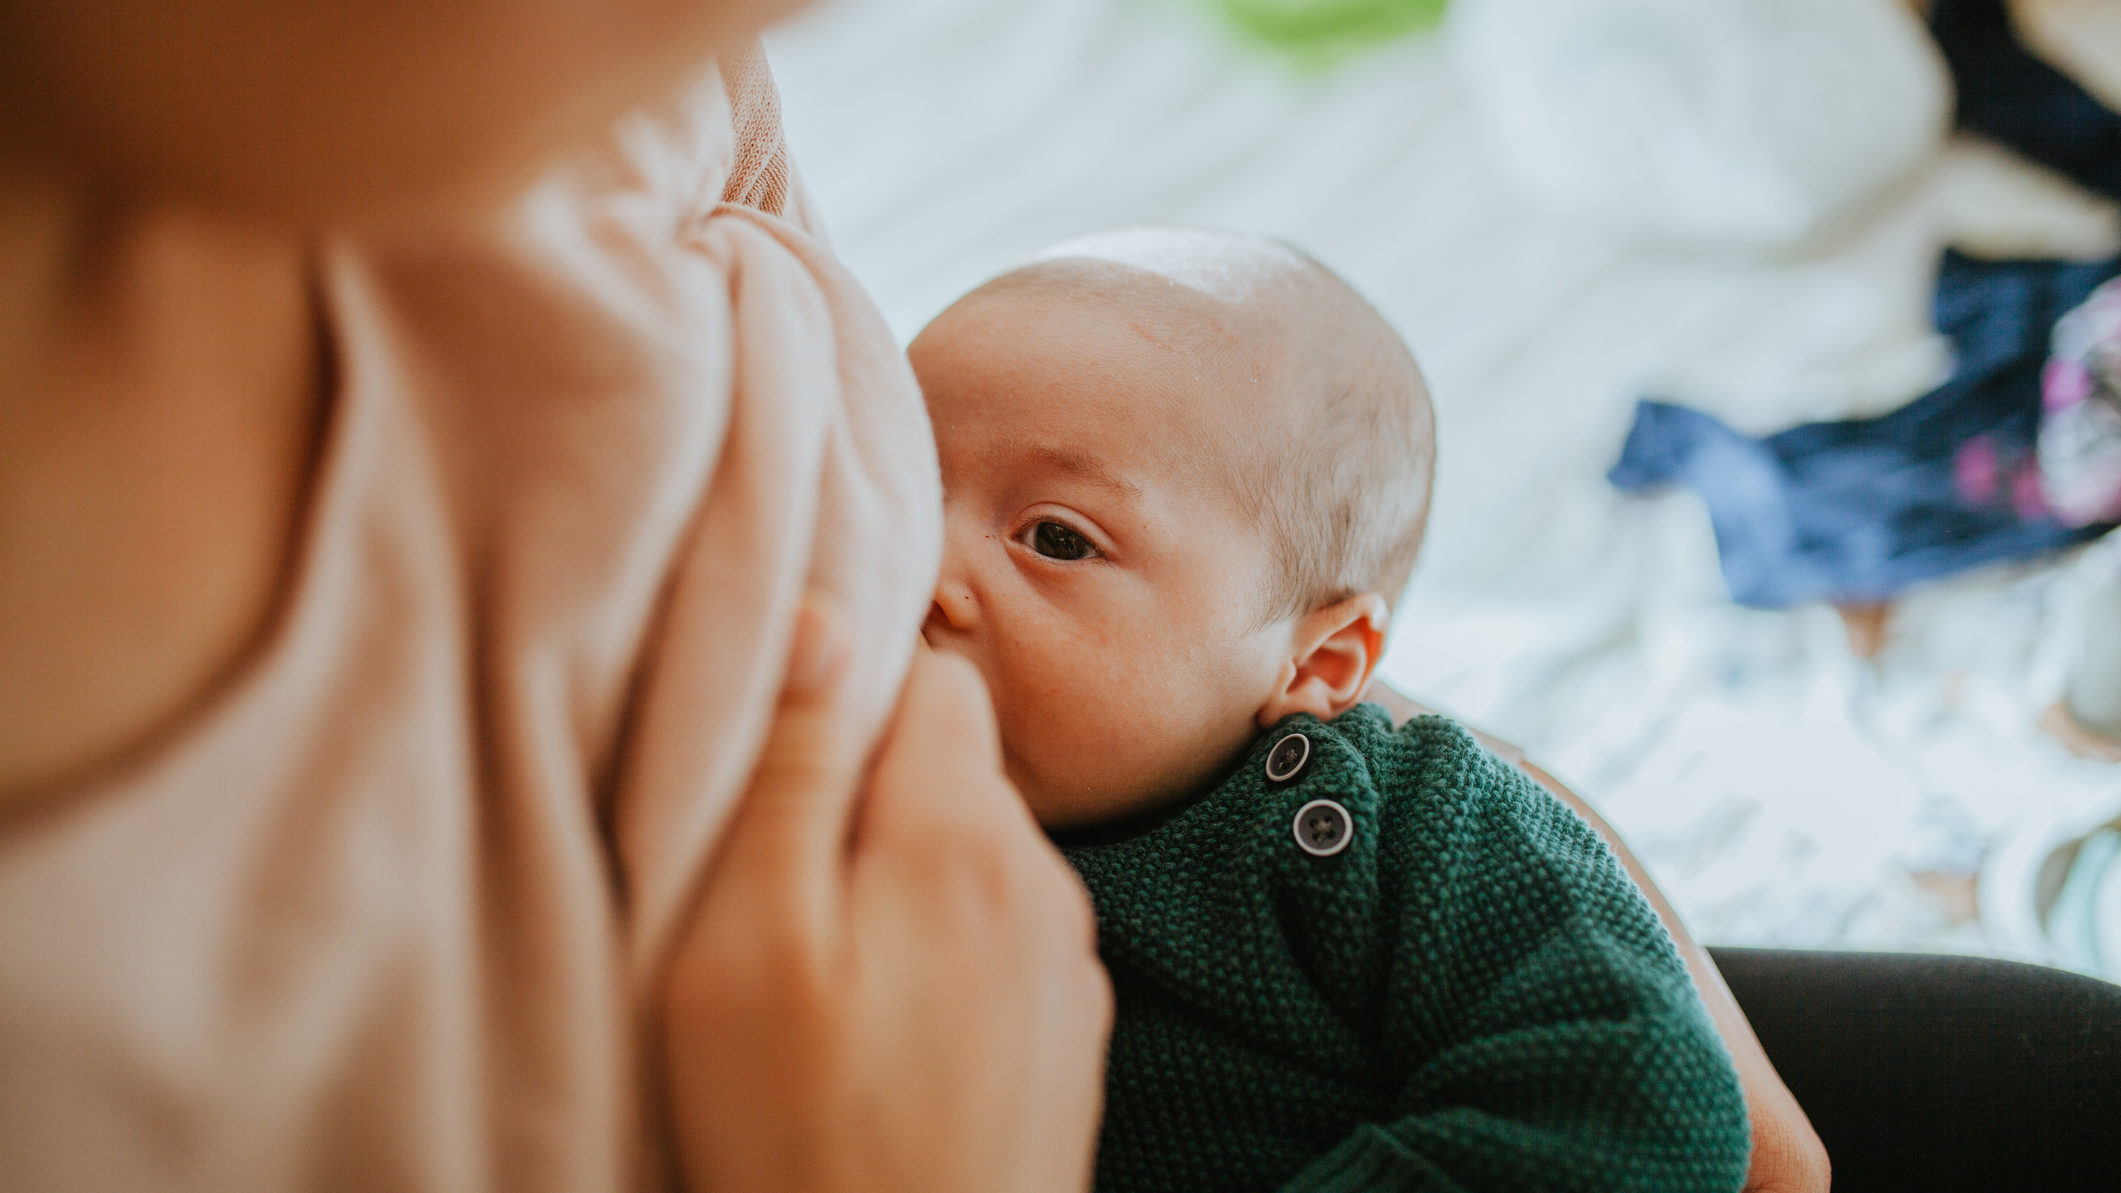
column 1107, row 741
column 1078, row 738
column 1077, row 710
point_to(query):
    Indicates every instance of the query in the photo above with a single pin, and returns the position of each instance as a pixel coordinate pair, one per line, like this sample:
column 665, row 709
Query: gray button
column 1323, row 828
column 1288, row 758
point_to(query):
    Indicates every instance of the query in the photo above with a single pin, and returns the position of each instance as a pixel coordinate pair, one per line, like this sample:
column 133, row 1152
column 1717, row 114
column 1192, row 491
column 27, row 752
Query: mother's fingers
column 938, row 786
column 932, row 1018
column 786, row 842
column 945, row 720
column 940, row 813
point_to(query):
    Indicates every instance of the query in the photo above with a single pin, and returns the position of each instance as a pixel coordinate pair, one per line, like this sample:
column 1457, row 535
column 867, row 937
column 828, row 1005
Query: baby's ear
column 1333, row 650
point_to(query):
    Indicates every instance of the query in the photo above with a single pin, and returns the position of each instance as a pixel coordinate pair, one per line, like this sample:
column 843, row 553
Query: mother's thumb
column 789, row 829
column 817, row 656
column 772, row 893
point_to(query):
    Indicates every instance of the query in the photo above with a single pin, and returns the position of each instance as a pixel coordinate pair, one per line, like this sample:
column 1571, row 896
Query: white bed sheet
column 1782, row 791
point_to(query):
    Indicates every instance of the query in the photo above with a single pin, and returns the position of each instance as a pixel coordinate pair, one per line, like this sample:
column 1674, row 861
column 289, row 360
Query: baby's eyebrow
column 1086, row 468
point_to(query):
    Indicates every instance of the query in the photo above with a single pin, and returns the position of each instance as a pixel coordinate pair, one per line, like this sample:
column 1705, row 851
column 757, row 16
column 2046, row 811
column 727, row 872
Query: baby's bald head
column 1184, row 475
column 1319, row 420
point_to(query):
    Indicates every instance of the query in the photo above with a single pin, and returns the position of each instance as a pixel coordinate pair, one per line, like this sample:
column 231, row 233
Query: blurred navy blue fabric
column 1861, row 510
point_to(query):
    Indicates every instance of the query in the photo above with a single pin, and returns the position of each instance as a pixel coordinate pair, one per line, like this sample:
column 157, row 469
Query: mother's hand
column 890, row 986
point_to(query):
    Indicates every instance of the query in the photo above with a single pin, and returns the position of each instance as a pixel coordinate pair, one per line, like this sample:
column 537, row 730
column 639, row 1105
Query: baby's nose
column 934, row 624
column 953, row 609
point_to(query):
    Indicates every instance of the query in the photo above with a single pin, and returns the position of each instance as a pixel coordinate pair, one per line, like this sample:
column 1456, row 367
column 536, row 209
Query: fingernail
column 820, row 649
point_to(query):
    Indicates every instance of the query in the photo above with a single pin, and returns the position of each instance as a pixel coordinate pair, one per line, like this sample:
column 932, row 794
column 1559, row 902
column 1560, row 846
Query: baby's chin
column 1055, row 810
column 1076, row 806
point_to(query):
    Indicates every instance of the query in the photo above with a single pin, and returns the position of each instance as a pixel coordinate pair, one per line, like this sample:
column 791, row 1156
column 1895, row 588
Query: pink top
column 384, row 912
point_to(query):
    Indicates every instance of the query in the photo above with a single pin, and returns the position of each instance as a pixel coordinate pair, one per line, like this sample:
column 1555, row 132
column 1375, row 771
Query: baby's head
column 1185, row 475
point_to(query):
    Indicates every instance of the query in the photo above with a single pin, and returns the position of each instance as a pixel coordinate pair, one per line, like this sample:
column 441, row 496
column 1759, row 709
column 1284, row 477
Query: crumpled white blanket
column 1756, row 123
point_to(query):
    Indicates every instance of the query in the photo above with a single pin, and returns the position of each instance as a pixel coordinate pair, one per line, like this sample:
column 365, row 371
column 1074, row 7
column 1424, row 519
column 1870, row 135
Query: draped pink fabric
column 384, row 912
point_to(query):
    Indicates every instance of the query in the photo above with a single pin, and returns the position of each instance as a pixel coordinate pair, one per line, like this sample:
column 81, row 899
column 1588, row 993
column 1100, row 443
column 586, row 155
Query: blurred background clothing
column 1321, row 32
column 2006, row 461
column 1866, row 510
column 1784, row 790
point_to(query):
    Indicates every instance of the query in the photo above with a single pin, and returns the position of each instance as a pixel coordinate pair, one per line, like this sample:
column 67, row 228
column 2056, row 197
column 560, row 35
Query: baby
column 1185, row 475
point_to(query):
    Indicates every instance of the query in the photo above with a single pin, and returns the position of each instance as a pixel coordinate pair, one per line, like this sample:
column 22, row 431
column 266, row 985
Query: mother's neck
column 160, row 394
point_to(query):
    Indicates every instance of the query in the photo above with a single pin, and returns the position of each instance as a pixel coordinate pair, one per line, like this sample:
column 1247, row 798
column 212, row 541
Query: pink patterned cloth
column 2080, row 427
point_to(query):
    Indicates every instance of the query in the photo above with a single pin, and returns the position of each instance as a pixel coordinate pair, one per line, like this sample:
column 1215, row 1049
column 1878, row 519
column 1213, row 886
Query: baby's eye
column 1058, row 540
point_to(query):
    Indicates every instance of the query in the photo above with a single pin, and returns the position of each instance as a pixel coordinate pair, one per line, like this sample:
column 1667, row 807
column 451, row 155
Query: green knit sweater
column 1468, row 994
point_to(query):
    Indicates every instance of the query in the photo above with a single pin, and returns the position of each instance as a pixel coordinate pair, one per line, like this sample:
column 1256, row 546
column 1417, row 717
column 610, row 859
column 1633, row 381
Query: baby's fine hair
column 1344, row 498
column 1347, row 503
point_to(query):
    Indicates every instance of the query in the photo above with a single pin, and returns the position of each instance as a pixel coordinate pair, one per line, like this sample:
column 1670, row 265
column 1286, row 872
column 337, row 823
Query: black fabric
column 1943, row 1074
column 2010, row 96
